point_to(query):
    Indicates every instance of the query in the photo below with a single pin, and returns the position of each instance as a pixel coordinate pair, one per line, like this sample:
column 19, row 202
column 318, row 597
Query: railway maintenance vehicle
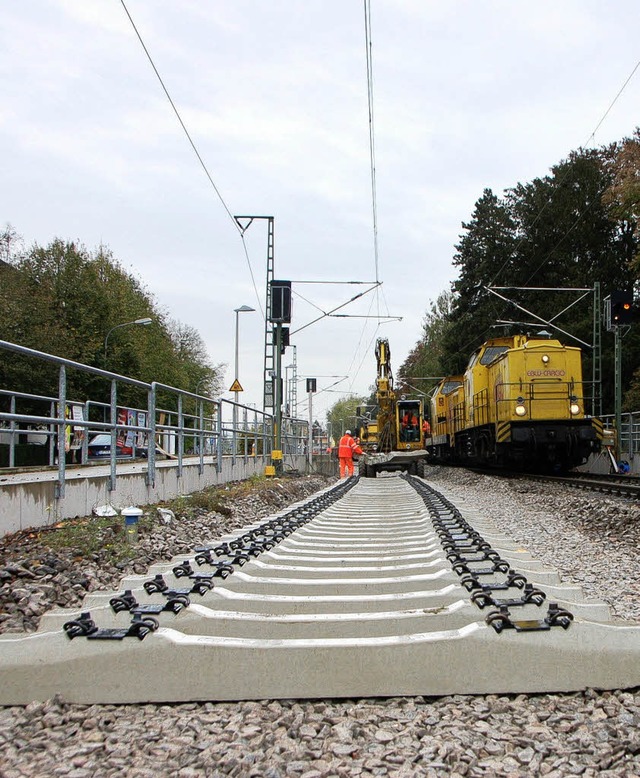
column 395, row 441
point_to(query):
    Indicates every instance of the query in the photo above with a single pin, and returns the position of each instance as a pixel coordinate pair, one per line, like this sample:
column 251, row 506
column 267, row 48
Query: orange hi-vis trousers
column 346, row 466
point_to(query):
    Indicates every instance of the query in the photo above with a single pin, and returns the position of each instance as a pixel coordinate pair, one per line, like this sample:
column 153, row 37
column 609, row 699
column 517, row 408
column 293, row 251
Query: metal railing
column 629, row 438
column 174, row 424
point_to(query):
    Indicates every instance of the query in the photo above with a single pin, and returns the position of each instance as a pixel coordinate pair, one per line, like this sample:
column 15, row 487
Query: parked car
column 100, row 448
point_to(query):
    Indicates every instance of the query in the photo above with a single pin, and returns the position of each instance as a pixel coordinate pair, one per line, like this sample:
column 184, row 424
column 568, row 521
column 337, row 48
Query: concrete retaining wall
column 28, row 499
column 601, row 463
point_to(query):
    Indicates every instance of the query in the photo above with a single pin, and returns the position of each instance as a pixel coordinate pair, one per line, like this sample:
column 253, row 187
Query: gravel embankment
column 591, row 540
column 35, row 575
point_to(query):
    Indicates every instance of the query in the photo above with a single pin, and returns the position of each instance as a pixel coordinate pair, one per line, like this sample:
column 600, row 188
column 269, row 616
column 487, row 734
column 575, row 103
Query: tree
column 484, row 254
column 622, row 197
column 342, row 415
column 10, row 241
column 568, row 229
column 428, row 357
column 65, row 300
column 622, row 201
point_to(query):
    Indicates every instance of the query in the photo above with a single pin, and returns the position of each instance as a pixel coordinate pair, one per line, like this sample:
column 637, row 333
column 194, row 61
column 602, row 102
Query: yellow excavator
column 397, row 442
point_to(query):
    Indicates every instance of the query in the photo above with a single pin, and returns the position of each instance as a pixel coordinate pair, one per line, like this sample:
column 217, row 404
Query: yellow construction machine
column 395, row 441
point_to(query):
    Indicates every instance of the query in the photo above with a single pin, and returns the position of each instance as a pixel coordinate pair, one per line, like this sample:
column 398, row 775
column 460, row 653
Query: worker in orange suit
column 426, row 428
column 406, row 420
column 346, row 449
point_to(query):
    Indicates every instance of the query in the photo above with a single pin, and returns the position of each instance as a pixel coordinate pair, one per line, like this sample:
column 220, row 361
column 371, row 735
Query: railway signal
column 622, row 310
column 619, row 309
column 619, row 314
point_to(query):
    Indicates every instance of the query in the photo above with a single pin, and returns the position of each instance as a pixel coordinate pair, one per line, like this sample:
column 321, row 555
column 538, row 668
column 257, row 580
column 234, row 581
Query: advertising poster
column 142, row 436
column 77, row 413
column 122, row 421
column 131, row 434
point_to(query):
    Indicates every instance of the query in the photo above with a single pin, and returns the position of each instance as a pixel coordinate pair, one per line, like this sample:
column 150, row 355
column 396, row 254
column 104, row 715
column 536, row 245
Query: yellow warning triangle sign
column 235, row 386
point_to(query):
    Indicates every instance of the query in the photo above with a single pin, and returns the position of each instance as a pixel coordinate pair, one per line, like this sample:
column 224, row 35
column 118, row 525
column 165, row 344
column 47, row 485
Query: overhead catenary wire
column 562, row 180
column 372, row 146
column 194, row 147
column 374, row 206
column 613, row 102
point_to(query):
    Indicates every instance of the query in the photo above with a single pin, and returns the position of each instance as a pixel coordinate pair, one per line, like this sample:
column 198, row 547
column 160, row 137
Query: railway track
column 615, row 484
column 624, row 485
column 376, row 587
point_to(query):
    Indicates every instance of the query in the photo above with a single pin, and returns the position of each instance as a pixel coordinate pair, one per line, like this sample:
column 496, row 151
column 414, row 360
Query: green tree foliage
column 622, row 197
column 342, row 415
column 65, row 300
column 574, row 227
column 428, row 358
column 485, row 251
column 9, row 243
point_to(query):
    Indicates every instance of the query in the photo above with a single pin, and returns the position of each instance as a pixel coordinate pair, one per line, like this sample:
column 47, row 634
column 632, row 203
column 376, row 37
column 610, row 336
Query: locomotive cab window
column 491, row 353
column 449, row 386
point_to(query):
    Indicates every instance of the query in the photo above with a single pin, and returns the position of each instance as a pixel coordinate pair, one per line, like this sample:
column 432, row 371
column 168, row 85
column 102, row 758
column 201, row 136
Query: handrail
column 209, row 427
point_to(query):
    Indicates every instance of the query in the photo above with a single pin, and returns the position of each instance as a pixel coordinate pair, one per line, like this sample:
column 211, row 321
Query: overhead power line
column 177, row 113
column 562, row 180
column 195, row 150
column 613, row 102
column 372, row 145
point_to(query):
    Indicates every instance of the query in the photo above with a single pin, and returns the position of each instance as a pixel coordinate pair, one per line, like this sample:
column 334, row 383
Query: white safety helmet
column 347, row 432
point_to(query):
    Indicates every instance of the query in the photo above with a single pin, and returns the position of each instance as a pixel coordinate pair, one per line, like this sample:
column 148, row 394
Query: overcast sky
column 467, row 95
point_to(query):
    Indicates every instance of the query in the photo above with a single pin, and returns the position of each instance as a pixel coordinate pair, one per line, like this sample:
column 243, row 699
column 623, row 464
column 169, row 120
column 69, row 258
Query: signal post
column 618, row 314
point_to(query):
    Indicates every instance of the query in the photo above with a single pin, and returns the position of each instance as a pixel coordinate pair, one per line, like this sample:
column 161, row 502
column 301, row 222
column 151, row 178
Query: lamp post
column 142, row 322
column 241, row 309
column 236, row 388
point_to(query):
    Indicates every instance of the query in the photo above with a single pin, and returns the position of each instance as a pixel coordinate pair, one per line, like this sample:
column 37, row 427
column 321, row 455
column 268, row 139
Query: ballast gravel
column 591, row 540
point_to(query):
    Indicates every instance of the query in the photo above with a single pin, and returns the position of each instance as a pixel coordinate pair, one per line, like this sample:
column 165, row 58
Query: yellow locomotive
column 520, row 403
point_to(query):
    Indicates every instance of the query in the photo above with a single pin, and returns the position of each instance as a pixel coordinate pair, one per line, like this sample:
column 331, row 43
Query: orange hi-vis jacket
column 348, row 447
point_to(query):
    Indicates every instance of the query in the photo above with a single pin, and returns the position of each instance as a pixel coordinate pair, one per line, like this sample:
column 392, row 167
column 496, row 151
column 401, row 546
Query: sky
column 467, row 95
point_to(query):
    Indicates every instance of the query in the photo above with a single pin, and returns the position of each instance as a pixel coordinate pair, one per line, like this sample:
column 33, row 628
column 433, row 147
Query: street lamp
column 241, row 309
column 236, row 388
column 142, row 322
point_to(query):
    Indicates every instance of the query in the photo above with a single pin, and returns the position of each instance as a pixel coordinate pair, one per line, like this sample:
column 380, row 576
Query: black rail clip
column 556, row 617
column 529, row 596
column 123, row 602
column 139, row 628
column 183, row 570
column 202, row 583
column 173, row 604
column 84, row 626
column 513, row 579
column 155, row 585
